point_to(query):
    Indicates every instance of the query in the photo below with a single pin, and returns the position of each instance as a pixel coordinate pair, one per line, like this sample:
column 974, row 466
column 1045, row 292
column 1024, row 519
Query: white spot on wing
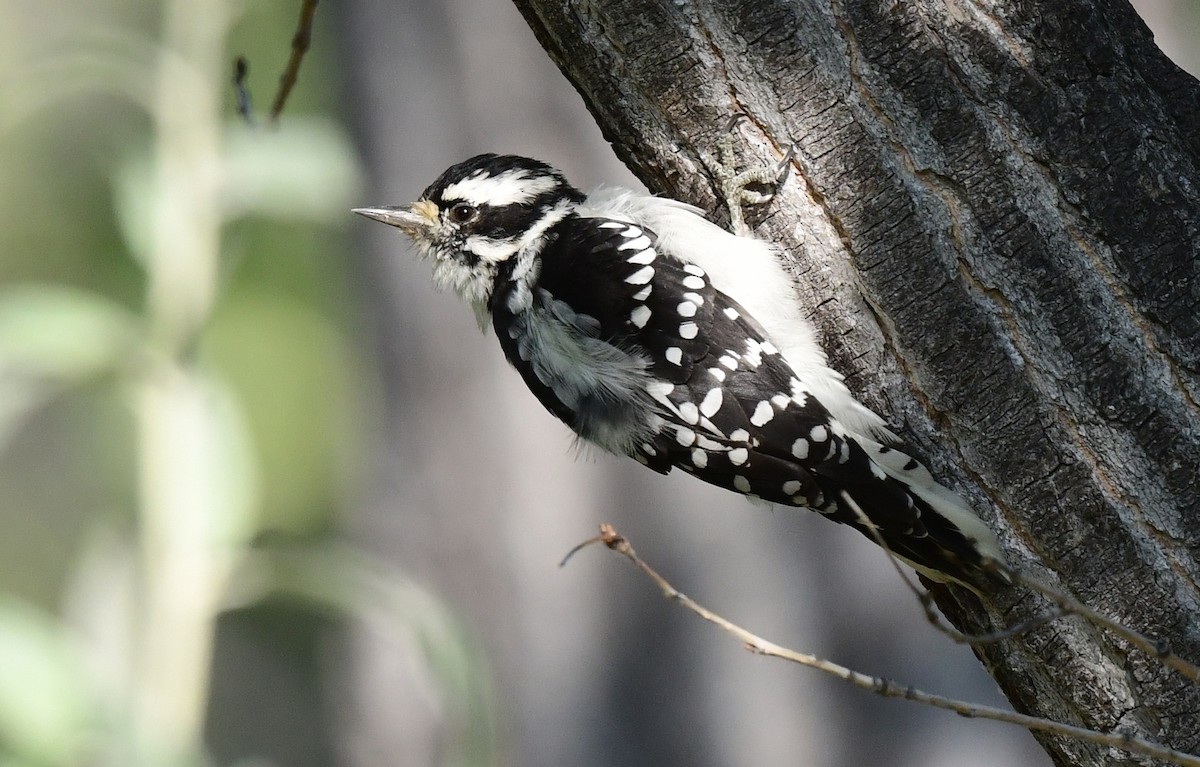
column 674, row 355
column 763, row 412
column 689, row 412
column 688, row 330
column 731, row 313
column 741, row 483
column 686, row 309
column 709, row 444
column 695, row 298
column 740, row 435
column 738, row 456
column 693, row 269
column 641, row 276
column 800, row 448
column 819, row 433
column 753, row 353
column 693, row 283
column 712, row 402
column 659, row 389
column 643, row 257
column 685, row 436
column 640, row 316
column 644, row 293
column 717, row 373
column 699, row 458
column 791, row 487
column 640, row 242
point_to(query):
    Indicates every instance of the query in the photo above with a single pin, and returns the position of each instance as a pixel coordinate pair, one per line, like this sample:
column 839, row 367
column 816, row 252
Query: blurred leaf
column 47, row 712
column 48, row 331
column 304, row 169
column 51, row 336
column 135, row 196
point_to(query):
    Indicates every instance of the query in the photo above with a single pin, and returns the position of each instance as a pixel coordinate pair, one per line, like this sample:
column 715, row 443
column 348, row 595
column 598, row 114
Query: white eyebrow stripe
column 509, row 188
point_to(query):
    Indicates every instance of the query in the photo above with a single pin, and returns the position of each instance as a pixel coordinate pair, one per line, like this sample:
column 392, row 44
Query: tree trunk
column 994, row 215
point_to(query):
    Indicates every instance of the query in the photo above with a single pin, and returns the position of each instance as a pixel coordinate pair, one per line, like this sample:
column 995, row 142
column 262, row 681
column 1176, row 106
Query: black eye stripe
column 506, row 221
column 511, row 220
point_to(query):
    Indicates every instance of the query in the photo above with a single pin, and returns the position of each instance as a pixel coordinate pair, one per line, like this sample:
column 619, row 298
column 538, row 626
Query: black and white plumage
column 654, row 333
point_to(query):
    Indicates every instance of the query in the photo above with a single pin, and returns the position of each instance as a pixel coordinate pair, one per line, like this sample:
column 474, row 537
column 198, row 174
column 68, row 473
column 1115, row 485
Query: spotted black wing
column 578, row 333
column 726, row 405
column 610, row 271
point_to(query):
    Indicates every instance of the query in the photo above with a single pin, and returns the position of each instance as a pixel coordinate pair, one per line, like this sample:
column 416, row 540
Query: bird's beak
column 419, row 218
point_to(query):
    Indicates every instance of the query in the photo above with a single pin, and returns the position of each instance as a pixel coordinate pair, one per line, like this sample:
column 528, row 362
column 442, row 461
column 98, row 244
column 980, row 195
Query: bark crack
column 1111, row 489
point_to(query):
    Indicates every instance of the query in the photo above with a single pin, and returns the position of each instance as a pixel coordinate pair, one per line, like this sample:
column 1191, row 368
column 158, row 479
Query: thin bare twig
column 300, row 43
column 756, row 644
column 1159, row 648
column 291, row 73
column 1015, row 630
column 1064, row 605
column 926, row 598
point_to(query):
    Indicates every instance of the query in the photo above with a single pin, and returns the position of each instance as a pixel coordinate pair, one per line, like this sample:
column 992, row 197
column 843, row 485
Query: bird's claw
column 735, row 188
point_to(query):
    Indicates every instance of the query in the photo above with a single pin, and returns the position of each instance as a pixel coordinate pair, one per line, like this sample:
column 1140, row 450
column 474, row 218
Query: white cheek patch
column 514, row 187
column 491, row 250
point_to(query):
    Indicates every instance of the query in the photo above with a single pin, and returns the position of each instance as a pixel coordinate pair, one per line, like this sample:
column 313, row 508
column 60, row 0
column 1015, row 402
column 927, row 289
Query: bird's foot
column 739, row 188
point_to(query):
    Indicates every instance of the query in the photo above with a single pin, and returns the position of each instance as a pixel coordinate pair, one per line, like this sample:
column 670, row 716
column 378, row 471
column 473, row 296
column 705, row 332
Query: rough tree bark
column 994, row 215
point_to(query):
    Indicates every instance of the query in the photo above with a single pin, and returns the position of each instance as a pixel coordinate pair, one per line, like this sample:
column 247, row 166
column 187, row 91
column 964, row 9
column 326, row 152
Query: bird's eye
column 462, row 213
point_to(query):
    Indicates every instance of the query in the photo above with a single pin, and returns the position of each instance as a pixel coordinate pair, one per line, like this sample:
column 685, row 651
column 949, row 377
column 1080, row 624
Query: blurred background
column 268, row 499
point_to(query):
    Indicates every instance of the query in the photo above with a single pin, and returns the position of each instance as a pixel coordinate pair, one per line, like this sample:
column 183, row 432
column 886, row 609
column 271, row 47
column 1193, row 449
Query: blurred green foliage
column 178, row 381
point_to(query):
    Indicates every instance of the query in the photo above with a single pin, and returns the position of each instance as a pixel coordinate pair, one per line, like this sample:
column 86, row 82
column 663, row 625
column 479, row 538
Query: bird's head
column 480, row 214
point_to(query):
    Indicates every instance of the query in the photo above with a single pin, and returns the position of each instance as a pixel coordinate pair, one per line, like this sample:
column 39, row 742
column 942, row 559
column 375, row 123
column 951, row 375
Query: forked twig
column 756, row 644
column 1155, row 648
column 1065, row 605
column 926, row 598
column 300, row 43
